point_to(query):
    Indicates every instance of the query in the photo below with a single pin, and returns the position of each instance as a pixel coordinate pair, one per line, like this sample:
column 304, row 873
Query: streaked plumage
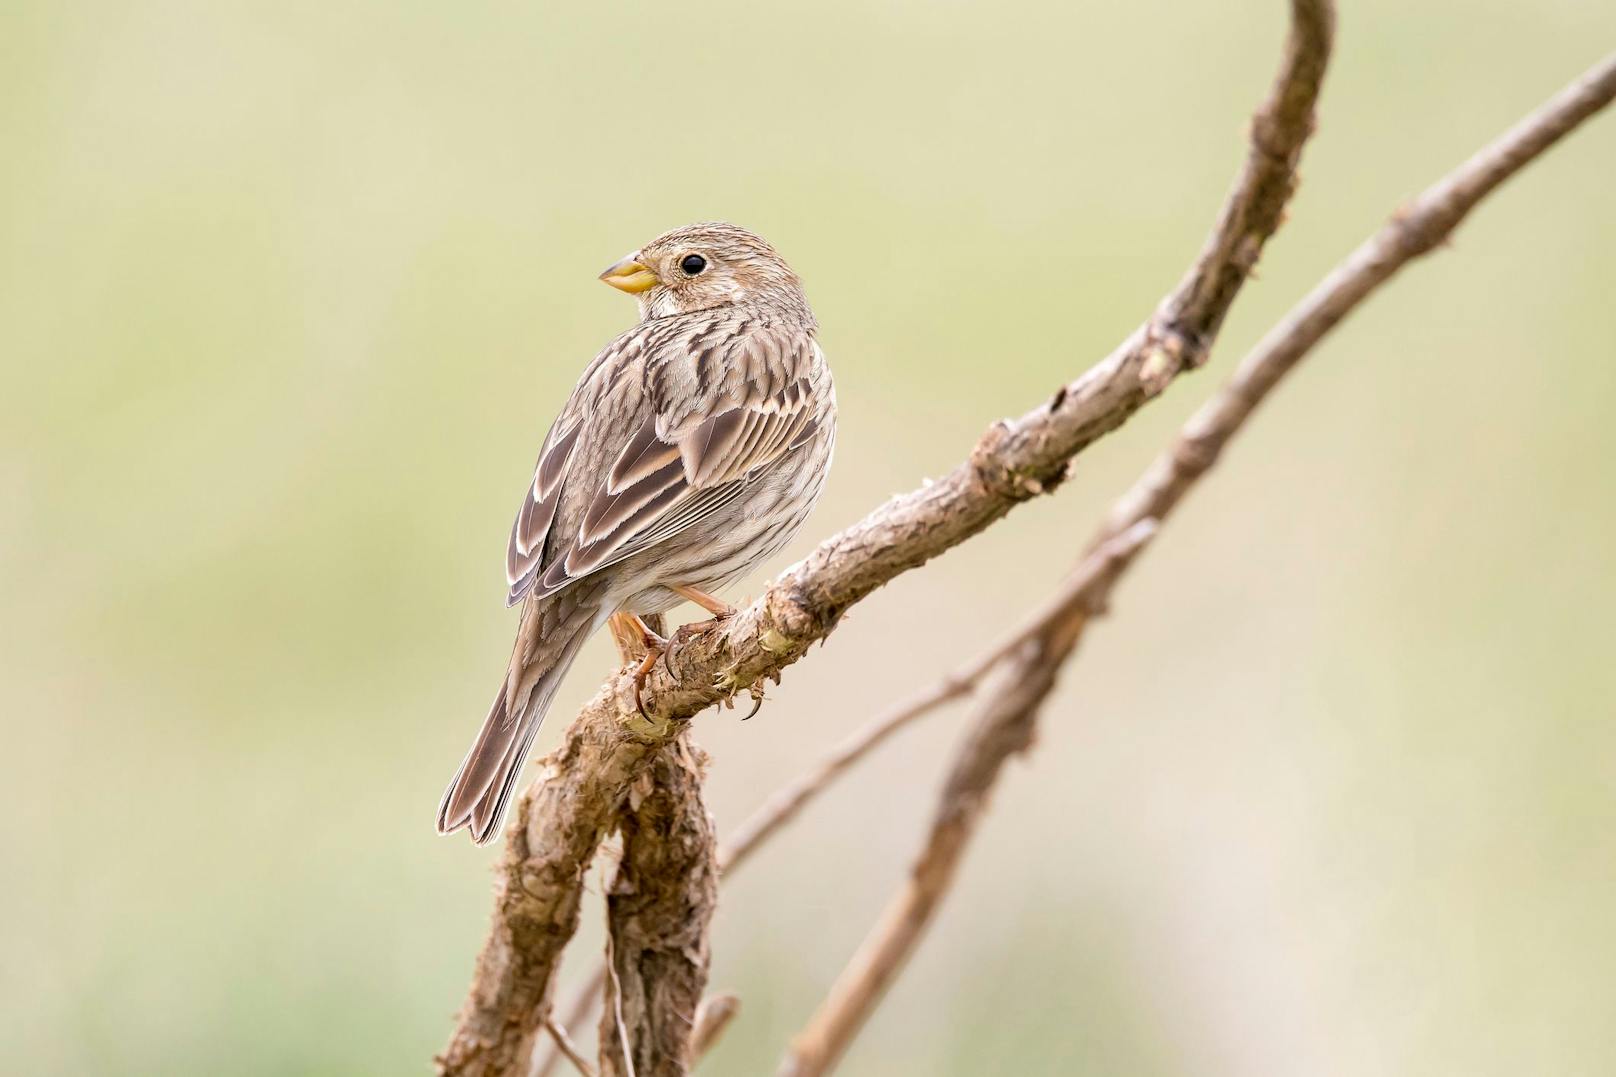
column 693, row 447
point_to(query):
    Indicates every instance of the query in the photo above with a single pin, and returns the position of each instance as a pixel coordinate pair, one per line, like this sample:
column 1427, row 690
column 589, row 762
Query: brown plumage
column 693, row 447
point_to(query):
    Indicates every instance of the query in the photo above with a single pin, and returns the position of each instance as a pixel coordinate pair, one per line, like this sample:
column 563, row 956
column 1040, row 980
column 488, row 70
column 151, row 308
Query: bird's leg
column 626, row 634
column 635, row 639
column 630, row 632
column 721, row 611
column 715, row 606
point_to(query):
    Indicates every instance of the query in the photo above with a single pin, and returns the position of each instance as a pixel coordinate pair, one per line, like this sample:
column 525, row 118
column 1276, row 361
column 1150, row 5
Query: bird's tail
column 553, row 630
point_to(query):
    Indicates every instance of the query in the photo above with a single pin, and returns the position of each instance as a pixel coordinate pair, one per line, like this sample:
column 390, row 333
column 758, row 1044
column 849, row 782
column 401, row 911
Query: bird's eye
column 693, row 264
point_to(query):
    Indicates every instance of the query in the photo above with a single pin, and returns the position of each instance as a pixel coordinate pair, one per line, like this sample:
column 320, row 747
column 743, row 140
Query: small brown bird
column 693, row 447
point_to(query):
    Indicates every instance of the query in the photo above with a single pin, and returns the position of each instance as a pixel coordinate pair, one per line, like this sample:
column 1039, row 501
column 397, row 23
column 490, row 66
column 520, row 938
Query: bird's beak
column 630, row 276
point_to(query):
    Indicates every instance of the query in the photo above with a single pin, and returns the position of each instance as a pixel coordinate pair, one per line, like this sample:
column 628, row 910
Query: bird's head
column 707, row 265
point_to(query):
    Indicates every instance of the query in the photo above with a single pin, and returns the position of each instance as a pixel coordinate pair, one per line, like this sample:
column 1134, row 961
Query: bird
column 692, row 448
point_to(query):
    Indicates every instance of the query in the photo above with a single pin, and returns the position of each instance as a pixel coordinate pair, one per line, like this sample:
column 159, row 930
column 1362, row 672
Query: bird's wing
column 670, row 426
column 616, row 365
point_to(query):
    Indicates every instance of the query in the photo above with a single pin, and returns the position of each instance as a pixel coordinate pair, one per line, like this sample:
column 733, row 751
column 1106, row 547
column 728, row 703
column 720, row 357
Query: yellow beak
column 630, row 276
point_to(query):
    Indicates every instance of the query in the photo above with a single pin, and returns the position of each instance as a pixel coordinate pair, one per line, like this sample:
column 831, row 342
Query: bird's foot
column 685, row 633
column 655, row 647
column 721, row 611
column 756, row 691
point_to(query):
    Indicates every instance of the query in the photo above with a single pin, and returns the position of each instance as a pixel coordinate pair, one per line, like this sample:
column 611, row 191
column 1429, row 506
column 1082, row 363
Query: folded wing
column 720, row 406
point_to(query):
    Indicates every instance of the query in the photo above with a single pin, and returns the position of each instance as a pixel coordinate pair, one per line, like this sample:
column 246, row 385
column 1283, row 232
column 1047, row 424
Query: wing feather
column 718, row 405
column 525, row 551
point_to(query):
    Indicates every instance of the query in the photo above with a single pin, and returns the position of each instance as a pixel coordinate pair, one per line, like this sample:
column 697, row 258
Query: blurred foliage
column 288, row 294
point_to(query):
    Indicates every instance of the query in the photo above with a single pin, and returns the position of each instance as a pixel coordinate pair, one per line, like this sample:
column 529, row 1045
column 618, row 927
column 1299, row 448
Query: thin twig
column 560, row 819
column 714, row 1016
column 787, row 802
column 1006, row 720
column 627, row 1052
column 1002, row 727
column 564, row 1044
column 1417, row 228
column 784, row 804
column 579, row 1010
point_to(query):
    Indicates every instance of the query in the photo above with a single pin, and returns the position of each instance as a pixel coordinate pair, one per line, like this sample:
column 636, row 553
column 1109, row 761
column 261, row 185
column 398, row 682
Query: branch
column 788, row 801
column 656, row 919
column 584, row 1000
column 714, row 1016
column 552, row 840
column 563, row 1044
column 781, row 808
column 1003, row 725
column 562, row 818
column 1006, row 718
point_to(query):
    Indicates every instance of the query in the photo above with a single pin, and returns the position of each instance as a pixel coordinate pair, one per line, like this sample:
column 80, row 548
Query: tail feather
column 481, row 790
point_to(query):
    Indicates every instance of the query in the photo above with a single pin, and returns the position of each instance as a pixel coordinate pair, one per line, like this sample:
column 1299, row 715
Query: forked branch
column 560, row 821
column 1015, row 691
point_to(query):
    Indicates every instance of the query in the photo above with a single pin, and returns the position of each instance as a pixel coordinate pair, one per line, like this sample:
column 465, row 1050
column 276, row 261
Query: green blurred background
column 288, row 295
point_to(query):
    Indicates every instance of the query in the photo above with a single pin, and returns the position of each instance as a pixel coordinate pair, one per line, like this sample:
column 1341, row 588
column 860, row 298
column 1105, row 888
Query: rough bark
column 550, row 845
column 657, row 912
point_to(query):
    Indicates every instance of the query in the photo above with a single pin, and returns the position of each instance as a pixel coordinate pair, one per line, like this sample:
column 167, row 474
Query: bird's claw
column 655, row 647
column 639, row 687
column 675, row 641
column 685, row 633
column 724, row 681
column 756, row 691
